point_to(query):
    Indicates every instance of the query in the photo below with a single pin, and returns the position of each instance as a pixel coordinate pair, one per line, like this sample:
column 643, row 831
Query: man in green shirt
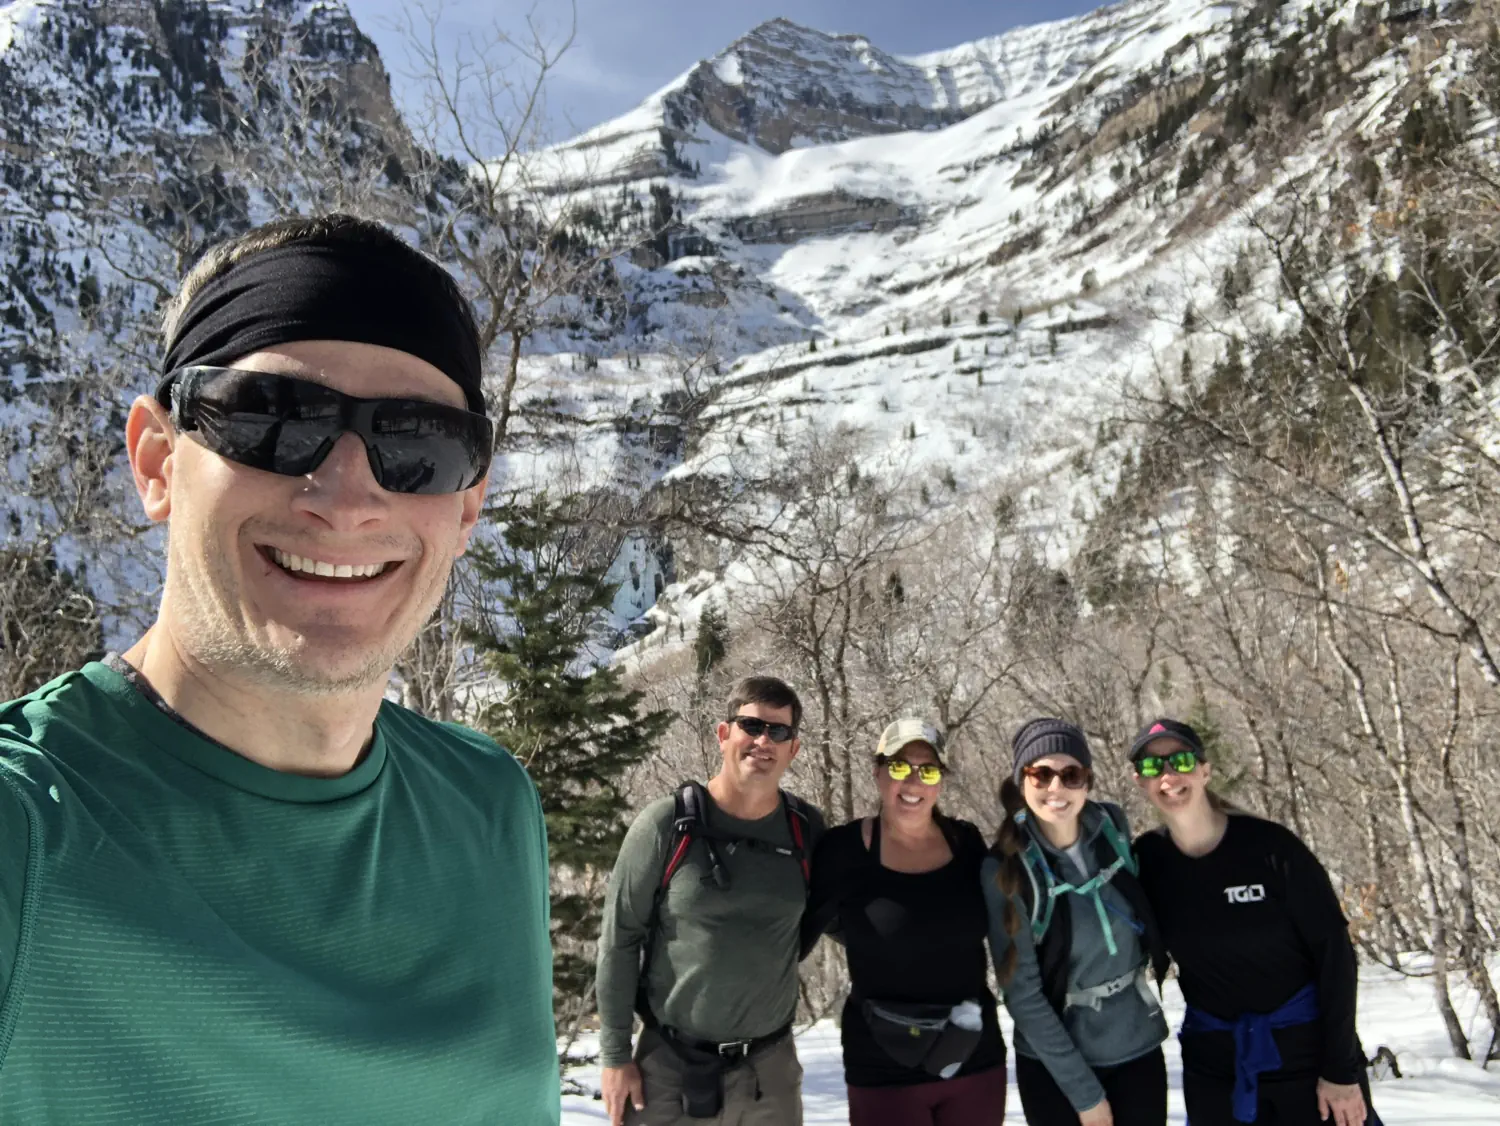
column 237, row 885
column 711, row 957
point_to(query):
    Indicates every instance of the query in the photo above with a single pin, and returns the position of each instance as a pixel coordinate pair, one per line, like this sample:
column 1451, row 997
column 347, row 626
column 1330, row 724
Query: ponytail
column 1009, row 844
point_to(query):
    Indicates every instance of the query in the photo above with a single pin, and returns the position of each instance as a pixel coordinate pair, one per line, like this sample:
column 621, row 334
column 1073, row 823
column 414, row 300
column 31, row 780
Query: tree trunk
column 1438, row 927
column 841, row 670
column 1471, row 942
column 825, row 748
column 1397, row 758
column 508, row 387
column 1389, row 918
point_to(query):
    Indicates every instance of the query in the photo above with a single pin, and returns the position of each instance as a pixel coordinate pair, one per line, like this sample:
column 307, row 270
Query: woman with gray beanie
column 1068, row 920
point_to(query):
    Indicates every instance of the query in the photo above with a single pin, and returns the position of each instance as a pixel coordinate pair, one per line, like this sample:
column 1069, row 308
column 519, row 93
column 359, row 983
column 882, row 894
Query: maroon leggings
column 970, row 1100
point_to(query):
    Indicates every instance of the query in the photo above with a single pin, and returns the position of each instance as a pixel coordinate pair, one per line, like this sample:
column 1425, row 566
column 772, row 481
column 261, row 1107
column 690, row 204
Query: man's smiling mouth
column 307, row 567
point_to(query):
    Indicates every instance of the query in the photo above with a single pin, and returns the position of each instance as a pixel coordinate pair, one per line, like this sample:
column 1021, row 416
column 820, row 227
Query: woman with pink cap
column 1262, row 951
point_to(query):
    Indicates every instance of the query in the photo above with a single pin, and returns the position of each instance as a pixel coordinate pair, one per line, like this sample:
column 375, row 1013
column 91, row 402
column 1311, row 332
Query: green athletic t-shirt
column 188, row 937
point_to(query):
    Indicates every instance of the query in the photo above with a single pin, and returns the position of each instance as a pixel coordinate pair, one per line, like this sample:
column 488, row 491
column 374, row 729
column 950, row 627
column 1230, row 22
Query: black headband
column 309, row 290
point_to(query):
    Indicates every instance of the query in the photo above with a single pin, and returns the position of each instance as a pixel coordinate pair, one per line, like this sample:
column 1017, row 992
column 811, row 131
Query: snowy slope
column 1043, row 208
column 1394, row 1011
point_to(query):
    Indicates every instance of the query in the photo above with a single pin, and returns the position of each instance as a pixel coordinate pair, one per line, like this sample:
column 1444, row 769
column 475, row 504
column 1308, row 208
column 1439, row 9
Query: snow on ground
column 1398, row 1012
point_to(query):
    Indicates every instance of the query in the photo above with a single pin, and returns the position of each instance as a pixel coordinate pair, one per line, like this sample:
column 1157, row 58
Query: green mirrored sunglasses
column 1152, row 766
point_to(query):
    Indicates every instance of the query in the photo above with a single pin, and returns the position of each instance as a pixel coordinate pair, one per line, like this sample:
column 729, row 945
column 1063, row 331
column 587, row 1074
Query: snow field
column 1395, row 1011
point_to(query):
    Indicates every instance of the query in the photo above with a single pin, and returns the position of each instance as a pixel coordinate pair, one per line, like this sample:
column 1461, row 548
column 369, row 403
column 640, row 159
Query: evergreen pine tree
column 575, row 727
column 712, row 641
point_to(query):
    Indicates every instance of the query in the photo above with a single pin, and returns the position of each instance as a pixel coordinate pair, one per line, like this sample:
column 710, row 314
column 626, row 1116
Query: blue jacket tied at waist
column 1255, row 1048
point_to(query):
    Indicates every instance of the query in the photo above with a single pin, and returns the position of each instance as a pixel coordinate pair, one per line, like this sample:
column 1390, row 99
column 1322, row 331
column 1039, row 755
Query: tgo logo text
column 1246, row 893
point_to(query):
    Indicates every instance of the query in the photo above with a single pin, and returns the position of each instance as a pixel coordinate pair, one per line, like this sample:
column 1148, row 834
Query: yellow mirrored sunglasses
column 929, row 773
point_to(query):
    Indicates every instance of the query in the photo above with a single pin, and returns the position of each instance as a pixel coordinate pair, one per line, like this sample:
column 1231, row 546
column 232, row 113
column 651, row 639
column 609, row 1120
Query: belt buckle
column 735, row 1049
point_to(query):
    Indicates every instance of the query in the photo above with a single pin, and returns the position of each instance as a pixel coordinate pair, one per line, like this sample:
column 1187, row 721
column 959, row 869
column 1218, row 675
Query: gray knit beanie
column 1039, row 738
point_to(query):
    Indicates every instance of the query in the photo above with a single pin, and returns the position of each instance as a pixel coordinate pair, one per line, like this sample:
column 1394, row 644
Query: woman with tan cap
column 922, row 1045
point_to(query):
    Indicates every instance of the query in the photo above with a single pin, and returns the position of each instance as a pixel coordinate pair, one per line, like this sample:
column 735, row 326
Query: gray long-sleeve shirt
column 1123, row 1027
column 723, row 962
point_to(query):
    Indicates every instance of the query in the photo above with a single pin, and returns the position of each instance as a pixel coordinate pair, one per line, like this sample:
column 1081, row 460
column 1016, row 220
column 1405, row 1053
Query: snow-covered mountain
column 959, row 254
column 783, row 86
column 963, row 254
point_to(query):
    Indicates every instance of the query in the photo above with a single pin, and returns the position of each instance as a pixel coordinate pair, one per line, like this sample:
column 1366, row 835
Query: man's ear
column 722, row 733
column 796, row 749
column 473, row 506
column 150, row 442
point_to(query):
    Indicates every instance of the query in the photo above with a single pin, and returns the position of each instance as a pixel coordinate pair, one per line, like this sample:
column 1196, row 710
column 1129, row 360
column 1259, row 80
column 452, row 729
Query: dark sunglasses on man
column 286, row 425
column 1153, row 766
column 1074, row 777
column 756, row 727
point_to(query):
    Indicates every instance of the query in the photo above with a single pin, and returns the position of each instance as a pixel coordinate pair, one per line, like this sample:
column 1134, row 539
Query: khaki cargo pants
column 765, row 1089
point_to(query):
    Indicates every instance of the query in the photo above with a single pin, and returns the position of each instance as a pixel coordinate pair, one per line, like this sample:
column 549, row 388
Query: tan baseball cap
column 906, row 731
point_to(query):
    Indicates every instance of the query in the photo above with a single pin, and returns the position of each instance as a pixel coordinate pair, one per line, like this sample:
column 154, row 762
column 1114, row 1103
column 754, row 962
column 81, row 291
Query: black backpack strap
column 688, row 824
column 800, row 824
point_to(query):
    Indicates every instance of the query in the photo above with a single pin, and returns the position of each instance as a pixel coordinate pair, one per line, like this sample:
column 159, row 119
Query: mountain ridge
column 966, row 294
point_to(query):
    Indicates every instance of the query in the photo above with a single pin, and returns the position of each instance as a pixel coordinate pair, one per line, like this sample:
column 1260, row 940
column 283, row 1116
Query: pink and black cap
column 1164, row 729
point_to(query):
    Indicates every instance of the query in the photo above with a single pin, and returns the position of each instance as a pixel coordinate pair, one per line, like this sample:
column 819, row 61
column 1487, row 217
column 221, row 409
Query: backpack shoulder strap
column 687, row 824
column 956, row 833
column 1043, row 885
column 1118, row 841
column 800, row 825
column 687, row 819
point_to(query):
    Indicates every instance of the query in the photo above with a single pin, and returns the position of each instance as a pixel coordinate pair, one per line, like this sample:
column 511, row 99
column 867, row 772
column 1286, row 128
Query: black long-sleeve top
column 910, row 937
column 1249, row 924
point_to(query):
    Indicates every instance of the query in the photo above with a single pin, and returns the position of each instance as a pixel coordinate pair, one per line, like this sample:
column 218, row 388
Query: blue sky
column 625, row 49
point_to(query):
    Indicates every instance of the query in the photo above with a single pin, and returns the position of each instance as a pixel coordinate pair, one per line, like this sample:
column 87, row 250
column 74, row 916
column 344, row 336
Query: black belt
column 732, row 1051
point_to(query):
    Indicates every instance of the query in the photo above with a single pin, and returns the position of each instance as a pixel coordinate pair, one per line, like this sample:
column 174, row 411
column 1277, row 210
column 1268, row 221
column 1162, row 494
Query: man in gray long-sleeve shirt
column 718, row 985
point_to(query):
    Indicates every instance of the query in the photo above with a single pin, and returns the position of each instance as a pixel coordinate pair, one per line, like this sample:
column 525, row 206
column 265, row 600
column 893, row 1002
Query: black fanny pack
column 938, row 1039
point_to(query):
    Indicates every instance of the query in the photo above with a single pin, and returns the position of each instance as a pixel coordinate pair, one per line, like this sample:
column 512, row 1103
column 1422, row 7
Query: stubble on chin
column 209, row 623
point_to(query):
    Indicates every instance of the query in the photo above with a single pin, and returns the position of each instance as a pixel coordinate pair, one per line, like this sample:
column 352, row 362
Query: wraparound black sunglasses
column 755, row 727
column 287, row 425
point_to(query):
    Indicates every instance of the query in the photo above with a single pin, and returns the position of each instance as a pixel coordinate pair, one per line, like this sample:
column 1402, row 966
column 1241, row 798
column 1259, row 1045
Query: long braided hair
column 1010, row 842
column 1035, row 738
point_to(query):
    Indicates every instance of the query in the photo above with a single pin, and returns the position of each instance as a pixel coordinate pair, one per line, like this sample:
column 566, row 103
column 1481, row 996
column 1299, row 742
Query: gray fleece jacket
column 1123, row 1026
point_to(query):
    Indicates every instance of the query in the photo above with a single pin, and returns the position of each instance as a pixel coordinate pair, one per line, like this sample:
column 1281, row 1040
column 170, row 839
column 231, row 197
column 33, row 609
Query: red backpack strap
column 797, row 822
column 687, row 816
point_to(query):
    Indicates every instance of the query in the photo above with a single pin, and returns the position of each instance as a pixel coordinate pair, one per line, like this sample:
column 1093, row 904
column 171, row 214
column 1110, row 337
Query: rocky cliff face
column 784, row 85
column 135, row 130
